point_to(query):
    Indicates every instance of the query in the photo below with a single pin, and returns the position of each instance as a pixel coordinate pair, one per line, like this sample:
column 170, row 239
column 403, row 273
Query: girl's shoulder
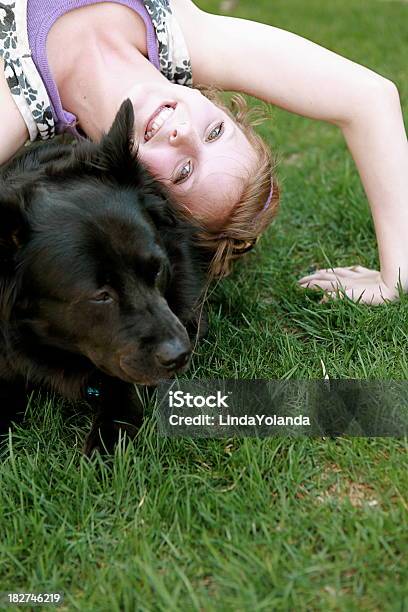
column 215, row 45
column 197, row 28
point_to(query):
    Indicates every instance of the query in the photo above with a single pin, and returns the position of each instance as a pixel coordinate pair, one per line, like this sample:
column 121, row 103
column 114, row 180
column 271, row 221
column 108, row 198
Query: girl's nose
column 180, row 134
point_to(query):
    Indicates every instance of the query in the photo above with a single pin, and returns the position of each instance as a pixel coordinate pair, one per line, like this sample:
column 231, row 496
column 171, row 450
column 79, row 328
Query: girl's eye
column 184, row 173
column 216, row 132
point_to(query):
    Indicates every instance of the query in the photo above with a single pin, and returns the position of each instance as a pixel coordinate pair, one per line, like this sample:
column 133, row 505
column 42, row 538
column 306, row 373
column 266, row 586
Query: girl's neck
column 95, row 91
column 94, row 66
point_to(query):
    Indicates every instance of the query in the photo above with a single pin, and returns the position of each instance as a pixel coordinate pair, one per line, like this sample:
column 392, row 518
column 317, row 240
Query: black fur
column 99, row 279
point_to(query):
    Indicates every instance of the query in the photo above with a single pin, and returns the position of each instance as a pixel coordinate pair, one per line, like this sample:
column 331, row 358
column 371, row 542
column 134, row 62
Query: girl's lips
column 156, row 112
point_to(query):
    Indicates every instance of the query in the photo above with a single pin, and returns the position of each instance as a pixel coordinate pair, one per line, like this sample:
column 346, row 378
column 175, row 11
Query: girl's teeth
column 158, row 121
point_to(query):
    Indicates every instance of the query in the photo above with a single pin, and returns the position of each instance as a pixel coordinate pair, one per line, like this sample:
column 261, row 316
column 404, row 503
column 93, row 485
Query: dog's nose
column 173, row 354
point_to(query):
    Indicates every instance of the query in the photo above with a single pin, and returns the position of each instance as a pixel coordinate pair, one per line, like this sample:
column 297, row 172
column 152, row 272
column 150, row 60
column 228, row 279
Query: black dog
column 98, row 278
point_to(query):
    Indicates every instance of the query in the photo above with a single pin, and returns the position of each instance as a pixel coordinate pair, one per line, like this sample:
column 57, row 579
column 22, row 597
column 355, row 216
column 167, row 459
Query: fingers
column 352, row 294
column 346, row 272
column 333, row 284
column 356, row 282
column 373, row 295
column 362, row 297
column 326, row 284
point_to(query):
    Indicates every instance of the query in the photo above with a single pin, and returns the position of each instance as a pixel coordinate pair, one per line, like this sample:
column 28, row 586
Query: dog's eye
column 160, row 278
column 159, row 274
column 102, row 297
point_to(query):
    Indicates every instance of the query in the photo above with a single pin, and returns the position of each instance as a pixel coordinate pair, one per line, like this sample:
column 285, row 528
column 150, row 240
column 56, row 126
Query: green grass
column 248, row 524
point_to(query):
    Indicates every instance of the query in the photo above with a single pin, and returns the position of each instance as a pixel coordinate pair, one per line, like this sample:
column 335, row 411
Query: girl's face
column 193, row 147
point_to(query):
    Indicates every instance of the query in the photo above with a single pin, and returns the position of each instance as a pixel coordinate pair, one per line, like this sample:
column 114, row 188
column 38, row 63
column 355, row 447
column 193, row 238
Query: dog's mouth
column 129, row 374
column 158, row 119
column 132, row 374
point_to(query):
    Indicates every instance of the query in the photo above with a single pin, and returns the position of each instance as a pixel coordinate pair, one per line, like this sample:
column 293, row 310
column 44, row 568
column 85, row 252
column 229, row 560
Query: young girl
column 68, row 65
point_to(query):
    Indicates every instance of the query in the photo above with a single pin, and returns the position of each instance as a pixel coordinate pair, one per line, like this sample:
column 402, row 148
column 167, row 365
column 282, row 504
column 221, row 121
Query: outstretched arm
column 302, row 77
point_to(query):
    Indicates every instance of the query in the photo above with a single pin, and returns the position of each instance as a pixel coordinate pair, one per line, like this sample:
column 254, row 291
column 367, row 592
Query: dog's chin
column 150, row 380
column 131, row 376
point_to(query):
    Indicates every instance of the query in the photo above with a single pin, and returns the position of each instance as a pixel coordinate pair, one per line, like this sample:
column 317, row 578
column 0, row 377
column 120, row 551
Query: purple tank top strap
column 41, row 15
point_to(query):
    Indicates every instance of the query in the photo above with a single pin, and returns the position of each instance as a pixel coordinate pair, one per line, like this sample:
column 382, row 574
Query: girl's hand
column 358, row 283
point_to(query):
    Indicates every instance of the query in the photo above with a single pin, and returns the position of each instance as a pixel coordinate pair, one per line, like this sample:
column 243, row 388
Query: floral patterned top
column 33, row 90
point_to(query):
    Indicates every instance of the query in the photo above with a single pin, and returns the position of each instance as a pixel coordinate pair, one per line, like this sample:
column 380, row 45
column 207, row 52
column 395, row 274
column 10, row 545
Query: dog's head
column 92, row 259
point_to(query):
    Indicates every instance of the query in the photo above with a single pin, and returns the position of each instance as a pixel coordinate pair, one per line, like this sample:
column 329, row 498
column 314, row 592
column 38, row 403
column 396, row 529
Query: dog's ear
column 14, row 226
column 14, row 233
column 116, row 149
column 120, row 135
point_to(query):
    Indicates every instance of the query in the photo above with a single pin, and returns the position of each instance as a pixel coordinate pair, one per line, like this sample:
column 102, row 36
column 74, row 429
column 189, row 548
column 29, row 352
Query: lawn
column 243, row 524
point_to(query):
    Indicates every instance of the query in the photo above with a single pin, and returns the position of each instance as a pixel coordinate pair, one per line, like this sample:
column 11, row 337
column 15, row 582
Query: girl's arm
column 13, row 130
column 304, row 78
